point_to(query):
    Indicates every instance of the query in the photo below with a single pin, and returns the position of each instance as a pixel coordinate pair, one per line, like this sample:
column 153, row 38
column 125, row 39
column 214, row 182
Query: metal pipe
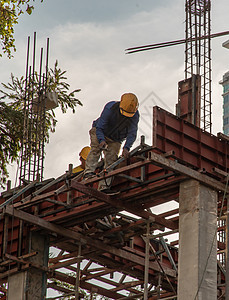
column 38, row 126
column 146, row 275
column 44, row 113
column 77, row 292
column 24, row 109
column 173, row 43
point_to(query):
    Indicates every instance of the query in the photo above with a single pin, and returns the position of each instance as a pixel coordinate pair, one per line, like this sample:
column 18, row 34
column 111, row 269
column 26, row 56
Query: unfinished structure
column 119, row 246
column 37, row 100
column 198, row 52
column 104, row 250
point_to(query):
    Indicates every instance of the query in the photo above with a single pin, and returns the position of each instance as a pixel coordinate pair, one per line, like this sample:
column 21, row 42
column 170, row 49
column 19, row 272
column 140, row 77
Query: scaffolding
column 117, row 246
column 197, row 53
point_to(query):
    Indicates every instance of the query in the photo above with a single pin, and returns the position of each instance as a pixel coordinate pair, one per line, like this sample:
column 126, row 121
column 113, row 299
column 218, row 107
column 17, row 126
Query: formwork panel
column 192, row 145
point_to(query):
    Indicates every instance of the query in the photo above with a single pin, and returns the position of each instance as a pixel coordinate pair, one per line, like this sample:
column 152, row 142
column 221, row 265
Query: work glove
column 125, row 153
column 103, row 145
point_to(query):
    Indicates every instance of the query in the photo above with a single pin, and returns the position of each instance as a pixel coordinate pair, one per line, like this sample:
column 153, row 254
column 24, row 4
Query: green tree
column 69, row 287
column 11, row 122
column 10, row 11
column 12, row 115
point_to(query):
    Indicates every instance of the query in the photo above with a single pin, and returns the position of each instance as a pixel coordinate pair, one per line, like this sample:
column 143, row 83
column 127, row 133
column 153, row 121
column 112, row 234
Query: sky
column 89, row 38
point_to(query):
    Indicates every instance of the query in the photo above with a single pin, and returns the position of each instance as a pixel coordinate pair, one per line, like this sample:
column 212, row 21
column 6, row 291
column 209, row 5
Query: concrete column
column 197, row 269
column 31, row 284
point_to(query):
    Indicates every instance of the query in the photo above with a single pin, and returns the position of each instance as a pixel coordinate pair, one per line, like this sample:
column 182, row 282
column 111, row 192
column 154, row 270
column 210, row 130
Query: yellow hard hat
column 128, row 105
column 84, row 152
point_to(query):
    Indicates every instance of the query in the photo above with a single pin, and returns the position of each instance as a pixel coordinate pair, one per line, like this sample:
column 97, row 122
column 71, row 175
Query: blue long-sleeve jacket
column 115, row 126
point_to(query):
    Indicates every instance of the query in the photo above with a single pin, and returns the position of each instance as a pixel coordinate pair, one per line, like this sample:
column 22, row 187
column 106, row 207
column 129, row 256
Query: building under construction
column 64, row 234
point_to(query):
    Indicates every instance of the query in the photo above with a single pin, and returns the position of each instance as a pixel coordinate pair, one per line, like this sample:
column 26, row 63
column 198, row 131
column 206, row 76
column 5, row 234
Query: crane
column 197, row 52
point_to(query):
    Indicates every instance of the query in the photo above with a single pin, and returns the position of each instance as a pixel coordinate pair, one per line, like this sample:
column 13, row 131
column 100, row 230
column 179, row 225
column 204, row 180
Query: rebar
column 32, row 149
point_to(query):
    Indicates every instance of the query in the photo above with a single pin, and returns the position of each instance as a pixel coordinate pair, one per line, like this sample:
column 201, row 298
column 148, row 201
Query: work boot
column 109, row 191
column 88, row 175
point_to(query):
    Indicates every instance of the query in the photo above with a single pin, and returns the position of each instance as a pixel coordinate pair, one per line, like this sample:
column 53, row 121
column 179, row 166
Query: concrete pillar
column 31, row 284
column 197, row 269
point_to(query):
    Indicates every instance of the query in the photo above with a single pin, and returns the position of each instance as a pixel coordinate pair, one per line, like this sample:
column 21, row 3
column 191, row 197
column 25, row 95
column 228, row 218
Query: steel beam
column 169, row 164
column 83, row 239
column 86, row 285
column 116, row 202
column 108, row 199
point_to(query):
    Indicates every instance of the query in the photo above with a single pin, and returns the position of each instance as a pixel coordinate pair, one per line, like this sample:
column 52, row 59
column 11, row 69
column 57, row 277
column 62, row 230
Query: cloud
column 92, row 51
column 95, row 60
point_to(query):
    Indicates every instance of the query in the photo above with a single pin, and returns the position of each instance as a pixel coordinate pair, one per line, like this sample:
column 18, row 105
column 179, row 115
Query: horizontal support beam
column 122, row 205
column 56, row 287
column 65, row 263
column 117, row 171
column 6, row 274
column 6, row 262
column 172, row 165
column 60, row 230
column 113, row 201
column 18, row 194
column 86, row 285
column 23, row 262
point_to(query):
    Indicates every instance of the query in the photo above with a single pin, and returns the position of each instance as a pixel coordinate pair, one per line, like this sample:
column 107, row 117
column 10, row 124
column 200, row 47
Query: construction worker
column 117, row 122
column 83, row 156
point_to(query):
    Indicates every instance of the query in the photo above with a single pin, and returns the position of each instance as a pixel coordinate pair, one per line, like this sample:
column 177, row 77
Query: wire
column 173, row 43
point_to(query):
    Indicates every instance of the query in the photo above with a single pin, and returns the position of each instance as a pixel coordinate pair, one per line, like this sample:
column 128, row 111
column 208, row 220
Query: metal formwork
column 189, row 95
column 74, row 212
column 112, row 244
column 190, row 144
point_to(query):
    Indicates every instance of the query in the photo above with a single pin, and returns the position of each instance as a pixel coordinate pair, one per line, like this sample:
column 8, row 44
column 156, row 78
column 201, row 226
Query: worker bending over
column 117, row 122
column 83, row 156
